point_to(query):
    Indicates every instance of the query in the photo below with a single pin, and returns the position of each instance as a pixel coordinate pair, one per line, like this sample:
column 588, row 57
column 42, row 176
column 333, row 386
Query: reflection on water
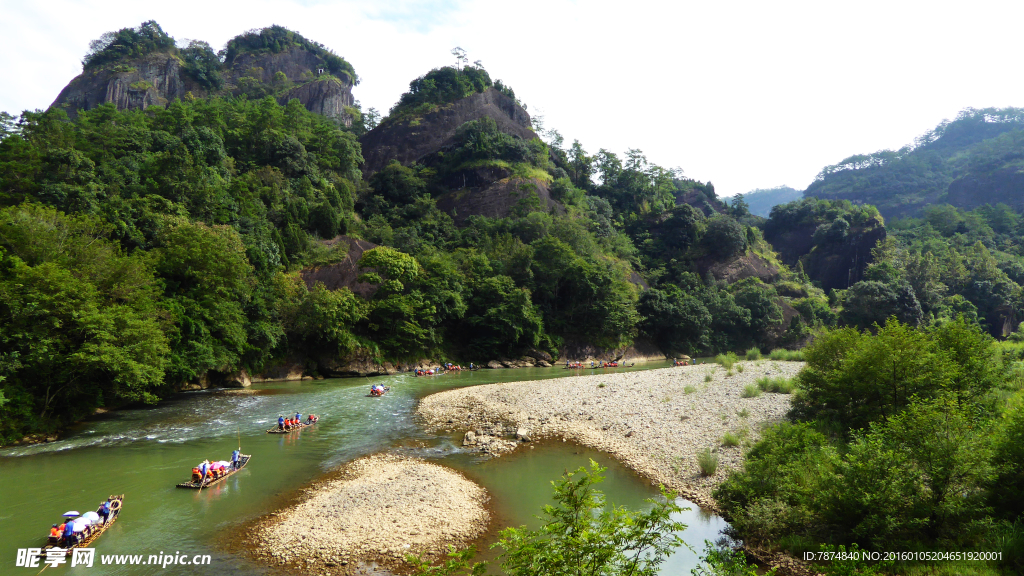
column 143, row 453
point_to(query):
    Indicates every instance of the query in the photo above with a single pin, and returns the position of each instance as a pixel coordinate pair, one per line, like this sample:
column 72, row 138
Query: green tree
column 584, row 535
column 855, row 379
column 501, row 318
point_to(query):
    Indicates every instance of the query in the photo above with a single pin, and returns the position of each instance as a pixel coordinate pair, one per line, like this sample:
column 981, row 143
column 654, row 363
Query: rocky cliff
column 502, row 196
column 343, row 274
column 155, row 79
column 411, row 139
column 973, row 190
column 159, row 78
column 832, row 264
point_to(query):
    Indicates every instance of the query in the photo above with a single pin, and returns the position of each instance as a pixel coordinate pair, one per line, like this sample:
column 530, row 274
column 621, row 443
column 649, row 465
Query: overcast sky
column 744, row 94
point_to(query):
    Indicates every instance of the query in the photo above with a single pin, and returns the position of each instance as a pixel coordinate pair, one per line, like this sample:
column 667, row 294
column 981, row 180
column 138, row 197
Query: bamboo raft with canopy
column 115, row 510
column 243, row 459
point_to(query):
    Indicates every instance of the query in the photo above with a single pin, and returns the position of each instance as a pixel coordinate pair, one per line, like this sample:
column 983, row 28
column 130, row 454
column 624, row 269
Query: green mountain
column 761, row 201
column 974, row 160
column 181, row 218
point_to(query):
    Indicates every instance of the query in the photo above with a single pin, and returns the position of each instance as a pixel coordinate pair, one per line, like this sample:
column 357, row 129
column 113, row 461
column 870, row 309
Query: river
column 143, row 453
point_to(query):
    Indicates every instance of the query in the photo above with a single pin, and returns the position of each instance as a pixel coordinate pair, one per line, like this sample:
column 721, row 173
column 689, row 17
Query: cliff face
column 410, row 140
column 344, row 274
column 498, row 197
column 158, row 79
column 834, row 264
column 155, row 79
column 973, row 190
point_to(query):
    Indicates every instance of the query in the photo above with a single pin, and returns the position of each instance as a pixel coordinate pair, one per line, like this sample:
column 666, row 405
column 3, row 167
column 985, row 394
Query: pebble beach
column 376, row 510
column 654, row 421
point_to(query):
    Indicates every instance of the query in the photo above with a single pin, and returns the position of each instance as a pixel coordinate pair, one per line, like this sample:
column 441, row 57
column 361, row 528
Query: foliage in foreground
column 582, row 534
column 908, row 439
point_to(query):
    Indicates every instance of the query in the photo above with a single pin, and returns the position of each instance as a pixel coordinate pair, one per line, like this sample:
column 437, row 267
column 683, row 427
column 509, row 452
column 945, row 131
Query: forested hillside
column 150, row 247
column 971, row 161
column 234, row 233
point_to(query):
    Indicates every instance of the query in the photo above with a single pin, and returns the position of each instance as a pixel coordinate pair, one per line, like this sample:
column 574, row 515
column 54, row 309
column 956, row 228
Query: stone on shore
column 654, row 421
column 380, row 509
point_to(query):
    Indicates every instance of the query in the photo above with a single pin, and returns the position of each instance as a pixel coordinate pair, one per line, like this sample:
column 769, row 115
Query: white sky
column 744, row 94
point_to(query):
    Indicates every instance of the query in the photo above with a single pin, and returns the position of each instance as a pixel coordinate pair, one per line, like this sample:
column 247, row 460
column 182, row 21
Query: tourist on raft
column 104, row 510
column 68, row 534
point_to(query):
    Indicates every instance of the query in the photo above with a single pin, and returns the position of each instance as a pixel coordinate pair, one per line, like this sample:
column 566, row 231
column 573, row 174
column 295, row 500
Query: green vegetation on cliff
column 437, row 87
column 146, row 38
column 276, row 39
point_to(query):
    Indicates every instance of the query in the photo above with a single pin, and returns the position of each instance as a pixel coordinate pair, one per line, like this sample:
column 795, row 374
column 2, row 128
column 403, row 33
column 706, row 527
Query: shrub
column 708, row 378
column 750, row 391
column 730, row 439
column 788, row 355
column 743, row 413
column 777, row 385
column 707, row 462
column 729, row 373
column 754, row 353
column 739, row 368
column 689, row 390
column 726, row 360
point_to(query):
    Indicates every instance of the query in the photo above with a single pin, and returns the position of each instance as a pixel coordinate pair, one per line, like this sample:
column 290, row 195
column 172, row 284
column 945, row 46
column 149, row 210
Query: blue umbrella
column 71, row 514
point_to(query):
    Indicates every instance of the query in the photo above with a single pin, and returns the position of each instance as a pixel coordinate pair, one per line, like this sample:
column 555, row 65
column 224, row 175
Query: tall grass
column 707, row 462
column 790, row 355
column 750, row 391
column 727, row 360
column 730, row 439
column 777, row 385
column 754, row 353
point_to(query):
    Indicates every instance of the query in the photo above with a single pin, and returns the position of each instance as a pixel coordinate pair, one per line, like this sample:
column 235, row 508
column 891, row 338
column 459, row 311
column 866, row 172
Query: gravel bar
column 654, row 421
column 377, row 510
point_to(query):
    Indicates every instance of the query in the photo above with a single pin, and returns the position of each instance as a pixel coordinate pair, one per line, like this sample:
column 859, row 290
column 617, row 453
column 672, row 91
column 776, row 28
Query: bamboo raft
column 386, row 390
column 115, row 511
column 289, row 429
column 243, row 459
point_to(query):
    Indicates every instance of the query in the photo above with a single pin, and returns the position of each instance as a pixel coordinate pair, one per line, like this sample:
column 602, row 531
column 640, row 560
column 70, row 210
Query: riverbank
column 655, row 421
column 374, row 510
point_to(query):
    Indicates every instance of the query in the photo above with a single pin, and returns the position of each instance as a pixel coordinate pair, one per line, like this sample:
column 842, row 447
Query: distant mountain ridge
column 761, row 201
column 976, row 159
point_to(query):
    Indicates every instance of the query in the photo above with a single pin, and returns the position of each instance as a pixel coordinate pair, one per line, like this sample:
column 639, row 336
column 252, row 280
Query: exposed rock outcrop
column 344, row 274
column 155, row 79
column 411, row 139
column 973, row 190
column 159, row 78
column 742, row 266
column 842, row 265
column 835, row 264
column 499, row 199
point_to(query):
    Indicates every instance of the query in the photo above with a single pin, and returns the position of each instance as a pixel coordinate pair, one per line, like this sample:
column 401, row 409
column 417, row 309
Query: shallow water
column 143, row 453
